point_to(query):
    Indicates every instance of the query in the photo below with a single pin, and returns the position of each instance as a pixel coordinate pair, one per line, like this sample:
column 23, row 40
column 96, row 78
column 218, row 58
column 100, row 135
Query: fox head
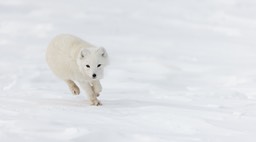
column 92, row 61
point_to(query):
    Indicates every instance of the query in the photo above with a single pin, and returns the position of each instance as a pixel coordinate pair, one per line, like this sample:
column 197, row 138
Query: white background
column 180, row 71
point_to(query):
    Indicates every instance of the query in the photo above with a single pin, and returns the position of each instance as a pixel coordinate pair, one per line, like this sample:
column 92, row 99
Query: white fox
column 74, row 60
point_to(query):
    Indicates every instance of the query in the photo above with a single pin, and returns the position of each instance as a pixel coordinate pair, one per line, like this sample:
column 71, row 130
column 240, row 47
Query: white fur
column 74, row 60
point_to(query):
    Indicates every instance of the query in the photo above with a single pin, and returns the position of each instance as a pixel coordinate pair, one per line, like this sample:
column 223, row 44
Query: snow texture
column 180, row 71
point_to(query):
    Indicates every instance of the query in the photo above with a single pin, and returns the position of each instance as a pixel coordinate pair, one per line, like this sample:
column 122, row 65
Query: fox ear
column 102, row 52
column 83, row 53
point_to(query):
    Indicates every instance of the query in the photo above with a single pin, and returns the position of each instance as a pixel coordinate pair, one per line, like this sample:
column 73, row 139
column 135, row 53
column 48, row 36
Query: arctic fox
column 74, row 60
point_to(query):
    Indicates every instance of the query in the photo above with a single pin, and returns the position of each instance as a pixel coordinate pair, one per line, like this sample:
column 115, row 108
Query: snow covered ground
column 181, row 71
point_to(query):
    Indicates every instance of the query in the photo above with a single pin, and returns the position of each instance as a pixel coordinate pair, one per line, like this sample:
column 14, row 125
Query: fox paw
column 75, row 90
column 95, row 102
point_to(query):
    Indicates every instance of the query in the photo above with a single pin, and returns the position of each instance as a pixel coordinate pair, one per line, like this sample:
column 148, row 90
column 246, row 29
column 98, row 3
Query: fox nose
column 94, row 75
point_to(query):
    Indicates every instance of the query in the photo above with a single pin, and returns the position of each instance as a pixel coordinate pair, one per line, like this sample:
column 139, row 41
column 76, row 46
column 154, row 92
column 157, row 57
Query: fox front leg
column 73, row 87
column 96, row 86
column 89, row 90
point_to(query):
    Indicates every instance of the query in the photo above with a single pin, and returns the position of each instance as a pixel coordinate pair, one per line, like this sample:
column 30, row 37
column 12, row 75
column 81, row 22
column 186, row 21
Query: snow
column 181, row 71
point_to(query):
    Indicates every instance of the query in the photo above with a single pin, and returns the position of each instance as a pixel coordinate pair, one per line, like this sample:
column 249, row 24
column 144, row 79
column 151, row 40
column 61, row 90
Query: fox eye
column 99, row 65
column 88, row 66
